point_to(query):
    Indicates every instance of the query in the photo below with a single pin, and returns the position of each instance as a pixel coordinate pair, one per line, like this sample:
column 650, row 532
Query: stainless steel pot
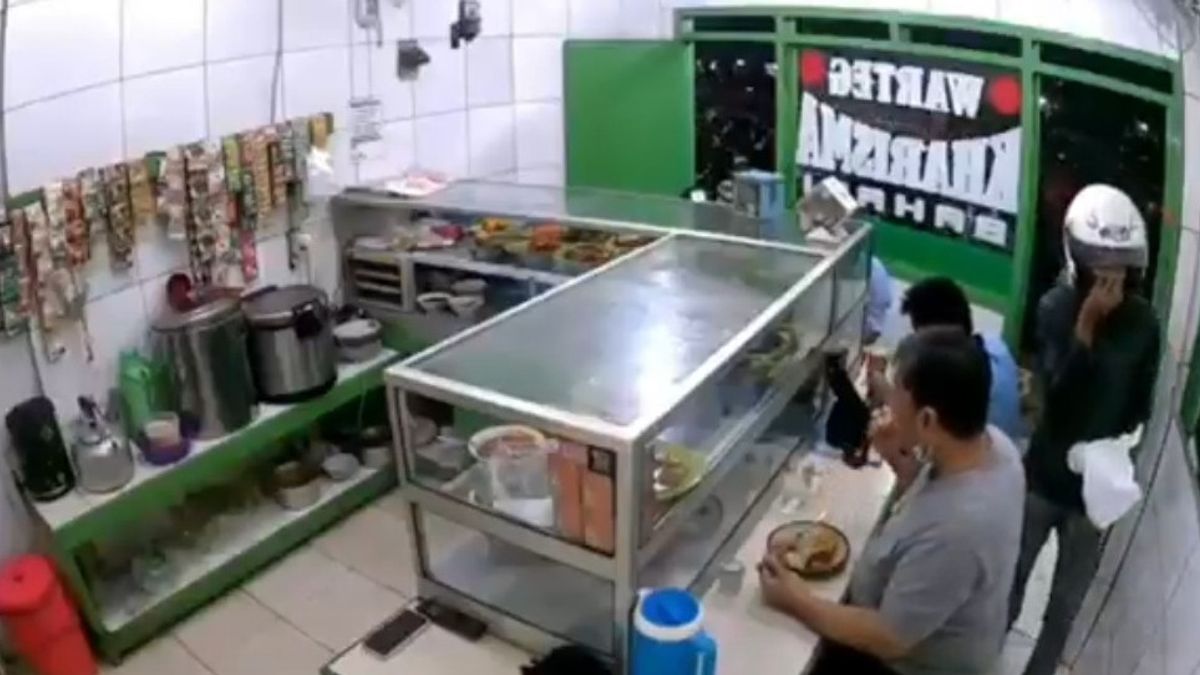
column 206, row 351
column 103, row 462
column 292, row 352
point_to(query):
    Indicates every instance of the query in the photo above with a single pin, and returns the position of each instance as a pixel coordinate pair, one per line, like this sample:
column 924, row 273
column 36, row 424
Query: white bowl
column 466, row 306
column 433, row 302
column 377, row 457
column 480, row 439
column 340, row 466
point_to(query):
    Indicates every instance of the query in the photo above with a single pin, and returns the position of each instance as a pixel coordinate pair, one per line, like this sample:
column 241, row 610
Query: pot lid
column 277, row 304
column 210, row 313
column 358, row 329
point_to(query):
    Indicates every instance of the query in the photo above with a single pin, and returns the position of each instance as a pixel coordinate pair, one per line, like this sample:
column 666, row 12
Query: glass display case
column 612, row 433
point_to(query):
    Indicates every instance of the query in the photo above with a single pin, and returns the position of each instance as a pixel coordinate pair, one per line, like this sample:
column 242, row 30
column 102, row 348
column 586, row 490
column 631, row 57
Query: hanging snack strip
column 202, row 242
column 227, row 247
column 59, row 297
column 247, row 180
column 141, row 193
column 120, row 217
column 14, row 314
column 261, row 167
column 173, row 194
column 67, row 290
column 94, row 201
column 243, row 216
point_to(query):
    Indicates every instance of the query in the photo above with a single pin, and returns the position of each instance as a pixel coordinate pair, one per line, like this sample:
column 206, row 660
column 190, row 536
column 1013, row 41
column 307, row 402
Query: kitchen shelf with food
column 77, row 516
column 142, row 541
column 604, row 416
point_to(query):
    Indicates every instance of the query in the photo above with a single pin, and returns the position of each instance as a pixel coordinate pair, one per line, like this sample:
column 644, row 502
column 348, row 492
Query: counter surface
column 751, row 637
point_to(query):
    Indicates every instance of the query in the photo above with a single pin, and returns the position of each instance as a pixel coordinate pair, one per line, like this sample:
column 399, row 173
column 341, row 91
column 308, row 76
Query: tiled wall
column 90, row 82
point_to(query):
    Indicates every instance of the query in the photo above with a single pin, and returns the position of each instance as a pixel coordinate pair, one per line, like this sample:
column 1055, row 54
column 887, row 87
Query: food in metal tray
column 814, row 550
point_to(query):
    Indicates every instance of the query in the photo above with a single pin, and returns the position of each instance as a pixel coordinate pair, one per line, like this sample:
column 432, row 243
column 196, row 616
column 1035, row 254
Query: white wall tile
column 537, row 69
column 550, row 176
column 493, row 140
column 51, row 139
column 102, row 279
column 539, row 17
column 432, row 18
column 1183, row 615
column 1174, row 504
column 397, row 24
column 395, row 94
column 644, row 19
column 442, row 144
column 397, row 156
column 162, row 35
column 1182, row 323
column 594, row 18
column 56, row 46
column 441, row 85
column 1191, row 70
column 539, row 135
column 239, row 28
column 116, row 322
column 1191, row 162
column 360, row 70
column 317, row 81
column 972, row 9
column 490, row 71
column 239, row 95
column 497, row 17
column 315, row 23
column 164, row 110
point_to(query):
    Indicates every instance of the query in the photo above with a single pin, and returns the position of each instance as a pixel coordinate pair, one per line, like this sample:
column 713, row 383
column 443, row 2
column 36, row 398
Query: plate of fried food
column 810, row 548
column 677, row 471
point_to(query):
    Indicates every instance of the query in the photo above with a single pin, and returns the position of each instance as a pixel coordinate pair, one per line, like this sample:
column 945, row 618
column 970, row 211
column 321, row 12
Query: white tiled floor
column 293, row 617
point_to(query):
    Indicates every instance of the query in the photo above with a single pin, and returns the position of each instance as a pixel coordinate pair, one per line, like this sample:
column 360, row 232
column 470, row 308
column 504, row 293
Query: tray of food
column 812, row 549
column 678, row 470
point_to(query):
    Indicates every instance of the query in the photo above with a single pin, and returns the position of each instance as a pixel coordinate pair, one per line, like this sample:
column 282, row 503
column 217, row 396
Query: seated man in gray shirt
column 929, row 594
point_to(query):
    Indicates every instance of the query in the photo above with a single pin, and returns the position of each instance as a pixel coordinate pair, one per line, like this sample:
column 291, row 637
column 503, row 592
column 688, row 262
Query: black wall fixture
column 735, row 110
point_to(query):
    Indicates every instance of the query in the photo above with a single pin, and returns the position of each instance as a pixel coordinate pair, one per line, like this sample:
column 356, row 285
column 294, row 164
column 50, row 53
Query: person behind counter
column 1098, row 354
column 939, row 301
column 930, row 591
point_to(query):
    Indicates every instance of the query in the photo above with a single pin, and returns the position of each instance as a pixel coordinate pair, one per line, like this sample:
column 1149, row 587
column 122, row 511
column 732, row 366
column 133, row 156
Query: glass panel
column 617, row 346
column 557, row 598
column 853, row 276
column 542, row 485
column 680, row 563
column 713, row 421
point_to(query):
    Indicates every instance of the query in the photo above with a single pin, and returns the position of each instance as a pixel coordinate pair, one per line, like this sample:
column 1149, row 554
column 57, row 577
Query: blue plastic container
column 669, row 637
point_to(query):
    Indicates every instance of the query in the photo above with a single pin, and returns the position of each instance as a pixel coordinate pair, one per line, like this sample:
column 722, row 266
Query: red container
column 41, row 620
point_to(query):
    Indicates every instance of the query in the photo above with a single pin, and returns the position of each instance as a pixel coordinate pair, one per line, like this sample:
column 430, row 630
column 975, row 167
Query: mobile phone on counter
column 444, row 616
column 389, row 637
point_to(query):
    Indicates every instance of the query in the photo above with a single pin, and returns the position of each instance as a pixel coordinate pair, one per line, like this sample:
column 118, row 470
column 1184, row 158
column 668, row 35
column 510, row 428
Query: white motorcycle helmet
column 1104, row 228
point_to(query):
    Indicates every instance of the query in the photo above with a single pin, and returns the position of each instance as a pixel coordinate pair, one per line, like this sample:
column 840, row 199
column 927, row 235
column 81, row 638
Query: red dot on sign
column 1004, row 93
column 814, row 66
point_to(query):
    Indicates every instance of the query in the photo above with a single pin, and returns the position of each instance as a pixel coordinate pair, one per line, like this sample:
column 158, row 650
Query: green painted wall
column 629, row 115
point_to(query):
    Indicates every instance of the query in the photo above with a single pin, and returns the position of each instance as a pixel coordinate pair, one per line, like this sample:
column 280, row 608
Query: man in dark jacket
column 1098, row 354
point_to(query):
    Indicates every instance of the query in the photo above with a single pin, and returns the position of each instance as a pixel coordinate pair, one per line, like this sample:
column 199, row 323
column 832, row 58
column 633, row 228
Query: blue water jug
column 669, row 637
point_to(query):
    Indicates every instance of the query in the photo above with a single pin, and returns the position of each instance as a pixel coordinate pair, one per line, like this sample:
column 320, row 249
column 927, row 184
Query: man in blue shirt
column 941, row 302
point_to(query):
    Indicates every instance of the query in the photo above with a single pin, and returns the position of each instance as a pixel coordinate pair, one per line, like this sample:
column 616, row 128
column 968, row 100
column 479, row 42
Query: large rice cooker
column 292, row 353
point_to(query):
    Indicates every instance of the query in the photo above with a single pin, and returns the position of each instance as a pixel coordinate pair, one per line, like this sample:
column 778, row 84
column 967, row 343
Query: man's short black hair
column 947, row 370
column 938, row 301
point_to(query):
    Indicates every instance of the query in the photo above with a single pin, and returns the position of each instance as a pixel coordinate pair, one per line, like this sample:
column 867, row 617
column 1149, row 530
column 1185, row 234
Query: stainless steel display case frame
column 629, row 442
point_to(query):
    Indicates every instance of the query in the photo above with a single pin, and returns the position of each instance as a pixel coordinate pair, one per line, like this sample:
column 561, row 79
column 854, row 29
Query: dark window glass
column 1093, row 135
column 735, row 110
column 872, row 30
column 965, row 39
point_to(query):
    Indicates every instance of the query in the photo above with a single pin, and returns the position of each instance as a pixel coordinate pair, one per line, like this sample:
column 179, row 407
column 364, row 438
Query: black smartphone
column 390, row 636
column 451, row 619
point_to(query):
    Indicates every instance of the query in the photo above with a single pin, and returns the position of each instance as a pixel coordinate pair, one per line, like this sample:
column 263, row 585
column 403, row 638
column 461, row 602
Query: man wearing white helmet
column 1098, row 353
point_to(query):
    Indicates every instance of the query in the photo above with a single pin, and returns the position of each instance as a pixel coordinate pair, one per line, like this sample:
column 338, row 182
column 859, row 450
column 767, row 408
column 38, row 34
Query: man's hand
column 1106, row 295
column 782, row 588
column 886, row 439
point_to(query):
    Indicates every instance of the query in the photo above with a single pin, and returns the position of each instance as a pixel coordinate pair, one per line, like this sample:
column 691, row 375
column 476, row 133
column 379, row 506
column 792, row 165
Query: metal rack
column 647, row 351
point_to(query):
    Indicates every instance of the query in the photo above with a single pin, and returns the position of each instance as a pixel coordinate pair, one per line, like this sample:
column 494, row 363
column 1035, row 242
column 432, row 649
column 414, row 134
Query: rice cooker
column 292, row 352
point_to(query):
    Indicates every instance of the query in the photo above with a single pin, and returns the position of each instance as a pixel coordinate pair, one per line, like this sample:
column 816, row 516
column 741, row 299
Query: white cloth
column 1109, row 489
